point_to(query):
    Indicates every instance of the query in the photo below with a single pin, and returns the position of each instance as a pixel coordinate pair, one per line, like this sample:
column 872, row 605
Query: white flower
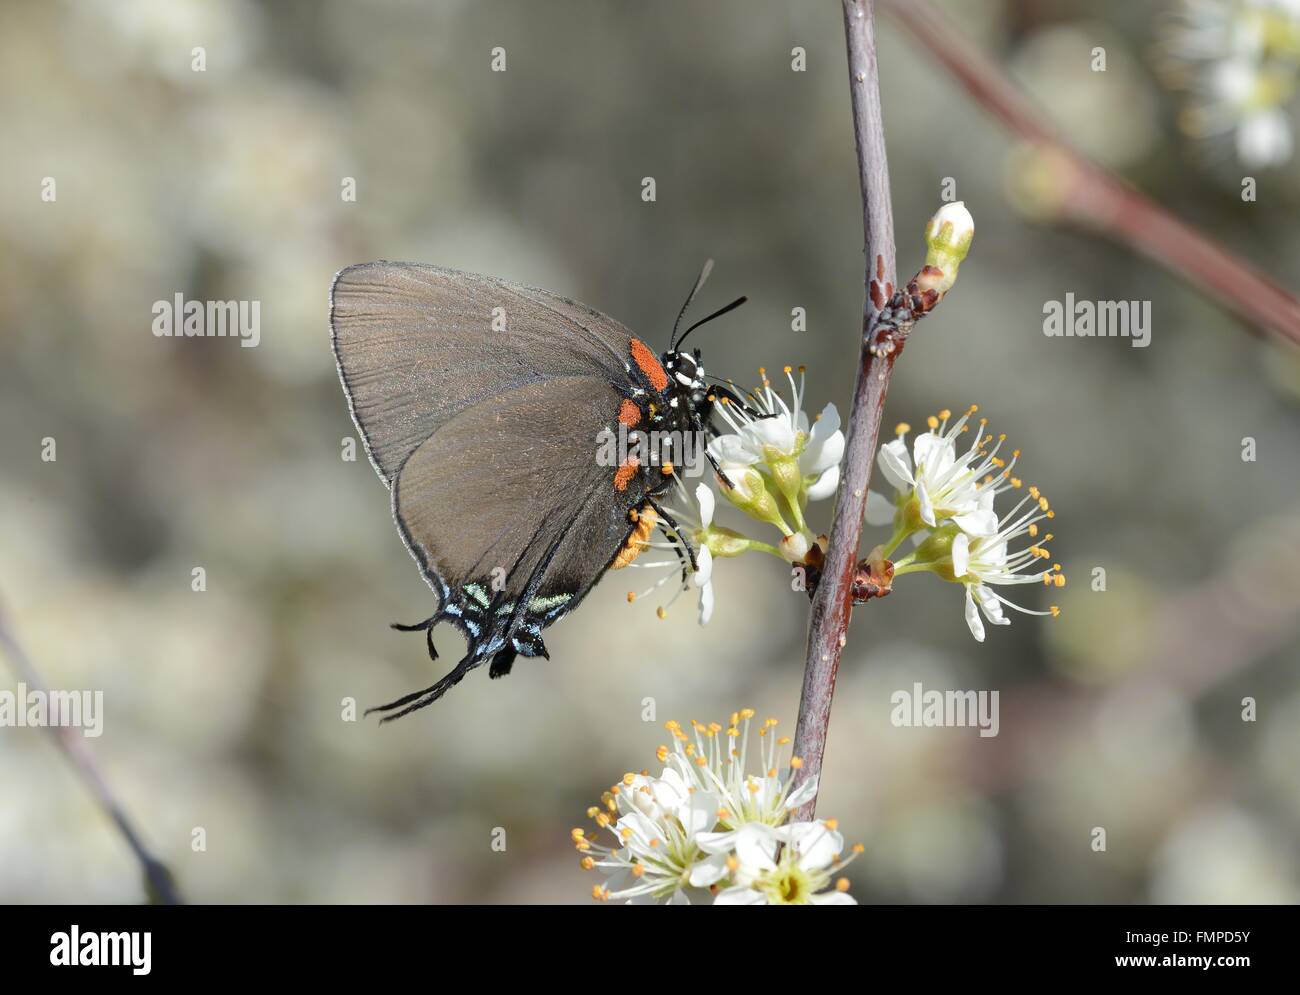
column 1264, row 138
column 980, row 562
column 946, row 504
column 942, row 483
column 697, row 523
column 773, row 431
column 713, row 758
column 792, row 864
column 656, row 823
column 1238, row 60
column 708, row 823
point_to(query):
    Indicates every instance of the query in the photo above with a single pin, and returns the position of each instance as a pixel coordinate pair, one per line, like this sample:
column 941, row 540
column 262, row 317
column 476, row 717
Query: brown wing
column 416, row 344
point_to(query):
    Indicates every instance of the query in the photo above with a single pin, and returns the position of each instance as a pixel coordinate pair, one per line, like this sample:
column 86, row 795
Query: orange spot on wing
column 624, row 474
column 628, row 413
column 648, row 363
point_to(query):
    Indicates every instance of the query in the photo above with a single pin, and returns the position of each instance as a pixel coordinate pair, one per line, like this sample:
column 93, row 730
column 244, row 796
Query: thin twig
column 83, row 761
column 1092, row 197
column 832, row 604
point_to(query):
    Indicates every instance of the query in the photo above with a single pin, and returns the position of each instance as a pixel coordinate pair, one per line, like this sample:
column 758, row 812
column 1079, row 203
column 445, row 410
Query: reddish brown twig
column 1085, row 194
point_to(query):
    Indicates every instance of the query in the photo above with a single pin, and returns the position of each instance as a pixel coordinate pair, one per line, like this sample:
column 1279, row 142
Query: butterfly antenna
column 716, row 314
column 699, row 282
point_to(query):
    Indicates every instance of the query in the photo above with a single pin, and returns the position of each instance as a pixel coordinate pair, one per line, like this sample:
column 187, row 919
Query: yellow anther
column 578, row 834
column 592, row 812
column 662, row 612
column 746, row 713
column 932, row 421
column 832, row 824
column 588, row 863
column 789, row 369
column 858, row 848
column 945, row 414
column 796, row 763
column 1055, row 611
column 1033, row 531
column 638, row 869
column 842, row 884
column 631, row 596
column 902, row 428
column 1060, row 580
column 783, row 741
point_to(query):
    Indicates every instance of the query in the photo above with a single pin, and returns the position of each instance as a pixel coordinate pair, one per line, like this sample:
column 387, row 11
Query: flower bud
column 948, row 235
column 749, row 493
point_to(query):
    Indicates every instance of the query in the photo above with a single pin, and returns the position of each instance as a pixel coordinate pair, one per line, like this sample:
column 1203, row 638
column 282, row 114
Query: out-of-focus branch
column 78, row 754
column 1077, row 190
column 832, row 602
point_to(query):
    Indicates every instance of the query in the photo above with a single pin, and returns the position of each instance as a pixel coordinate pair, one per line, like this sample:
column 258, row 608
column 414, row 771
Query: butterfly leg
column 677, row 530
column 427, row 626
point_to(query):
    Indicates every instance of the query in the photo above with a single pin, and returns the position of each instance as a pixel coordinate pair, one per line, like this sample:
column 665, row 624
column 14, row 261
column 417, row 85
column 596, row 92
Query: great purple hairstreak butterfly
column 480, row 402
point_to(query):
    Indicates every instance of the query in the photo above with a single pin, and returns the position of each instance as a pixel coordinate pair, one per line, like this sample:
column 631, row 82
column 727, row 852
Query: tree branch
column 832, row 602
column 1085, row 194
column 83, row 761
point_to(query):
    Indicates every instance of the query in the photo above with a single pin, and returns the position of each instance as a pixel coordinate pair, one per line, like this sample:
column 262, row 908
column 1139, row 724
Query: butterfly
column 481, row 403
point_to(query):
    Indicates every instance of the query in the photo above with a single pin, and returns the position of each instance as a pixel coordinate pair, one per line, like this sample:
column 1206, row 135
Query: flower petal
column 740, row 896
column 973, row 618
column 977, row 523
column 960, row 554
column 704, row 497
column 825, row 446
column 706, row 603
column 927, row 506
column 815, row 844
column 709, row 871
column 825, row 485
column 704, row 563
column 896, row 465
column 833, row 898
column 804, row 793
column 991, row 606
column 732, row 449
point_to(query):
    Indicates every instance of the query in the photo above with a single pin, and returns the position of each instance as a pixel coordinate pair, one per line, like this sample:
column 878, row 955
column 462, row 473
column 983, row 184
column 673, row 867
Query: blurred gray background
column 223, row 707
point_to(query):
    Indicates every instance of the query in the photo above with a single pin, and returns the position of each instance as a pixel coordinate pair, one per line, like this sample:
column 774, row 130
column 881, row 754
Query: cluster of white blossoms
column 944, row 501
column 708, row 830
column 774, row 460
column 1238, row 60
